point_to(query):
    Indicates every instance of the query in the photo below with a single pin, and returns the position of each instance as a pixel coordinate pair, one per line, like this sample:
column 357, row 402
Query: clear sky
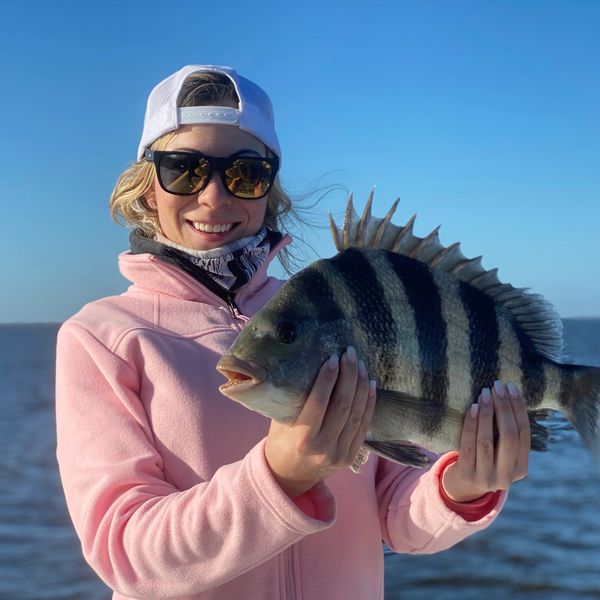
column 483, row 116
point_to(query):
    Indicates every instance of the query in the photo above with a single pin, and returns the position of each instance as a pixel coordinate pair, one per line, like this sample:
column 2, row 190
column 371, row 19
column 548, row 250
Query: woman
column 177, row 492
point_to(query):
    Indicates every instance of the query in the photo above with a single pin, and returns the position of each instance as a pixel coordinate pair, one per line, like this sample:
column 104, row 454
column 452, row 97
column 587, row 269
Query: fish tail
column 580, row 400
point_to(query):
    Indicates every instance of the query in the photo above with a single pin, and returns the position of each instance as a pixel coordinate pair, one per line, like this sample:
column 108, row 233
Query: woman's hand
column 483, row 466
column 329, row 430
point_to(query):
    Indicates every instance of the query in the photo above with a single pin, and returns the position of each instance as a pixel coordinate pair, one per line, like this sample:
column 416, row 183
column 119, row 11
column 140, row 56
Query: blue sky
column 483, row 116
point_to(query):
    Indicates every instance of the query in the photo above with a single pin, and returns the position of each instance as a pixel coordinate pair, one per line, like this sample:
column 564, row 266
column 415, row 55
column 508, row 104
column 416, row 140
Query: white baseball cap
column 254, row 113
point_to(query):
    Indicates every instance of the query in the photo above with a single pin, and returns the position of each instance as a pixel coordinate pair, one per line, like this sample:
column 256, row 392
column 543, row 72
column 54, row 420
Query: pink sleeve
column 413, row 515
column 144, row 537
column 469, row 511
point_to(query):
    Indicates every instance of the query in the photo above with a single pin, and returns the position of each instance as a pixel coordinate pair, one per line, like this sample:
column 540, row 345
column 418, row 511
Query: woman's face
column 192, row 221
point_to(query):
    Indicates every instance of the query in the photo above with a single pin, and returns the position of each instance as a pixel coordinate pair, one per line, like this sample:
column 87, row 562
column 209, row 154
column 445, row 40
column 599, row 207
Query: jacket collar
column 152, row 266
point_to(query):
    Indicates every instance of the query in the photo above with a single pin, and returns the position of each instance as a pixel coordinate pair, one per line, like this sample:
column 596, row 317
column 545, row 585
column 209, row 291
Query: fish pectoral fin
column 414, row 408
column 401, row 452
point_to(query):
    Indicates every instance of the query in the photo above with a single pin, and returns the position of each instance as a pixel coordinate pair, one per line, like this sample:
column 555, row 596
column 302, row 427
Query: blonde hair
column 128, row 204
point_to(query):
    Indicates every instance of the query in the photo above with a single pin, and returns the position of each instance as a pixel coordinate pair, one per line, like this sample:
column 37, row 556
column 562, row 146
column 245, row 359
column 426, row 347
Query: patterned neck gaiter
column 233, row 265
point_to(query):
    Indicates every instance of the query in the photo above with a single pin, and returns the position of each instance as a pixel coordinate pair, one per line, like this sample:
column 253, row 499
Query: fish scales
column 320, row 297
column 424, row 298
column 566, row 387
column 459, row 347
column 377, row 285
column 344, row 297
column 405, row 374
column 370, row 314
column 434, row 328
column 312, row 295
column 532, row 366
column 509, row 351
column 484, row 337
column 553, row 377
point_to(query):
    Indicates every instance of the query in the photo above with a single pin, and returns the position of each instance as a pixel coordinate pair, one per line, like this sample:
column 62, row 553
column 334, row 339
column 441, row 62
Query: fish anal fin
column 540, row 434
column 401, row 452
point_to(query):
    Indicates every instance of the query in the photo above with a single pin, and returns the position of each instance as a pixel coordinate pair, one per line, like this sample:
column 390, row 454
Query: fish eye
column 286, row 332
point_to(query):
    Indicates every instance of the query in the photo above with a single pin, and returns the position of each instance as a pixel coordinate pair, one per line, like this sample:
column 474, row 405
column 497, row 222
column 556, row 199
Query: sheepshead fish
column 433, row 328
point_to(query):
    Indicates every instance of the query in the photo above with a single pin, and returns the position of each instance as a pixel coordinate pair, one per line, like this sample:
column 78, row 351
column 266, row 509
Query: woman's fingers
column 484, row 460
column 341, row 403
column 317, row 402
column 329, row 430
column 339, row 409
column 524, row 430
column 357, row 410
column 484, row 465
column 468, row 439
column 508, row 437
column 361, row 432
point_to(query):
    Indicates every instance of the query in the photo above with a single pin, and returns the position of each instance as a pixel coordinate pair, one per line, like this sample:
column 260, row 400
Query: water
column 545, row 544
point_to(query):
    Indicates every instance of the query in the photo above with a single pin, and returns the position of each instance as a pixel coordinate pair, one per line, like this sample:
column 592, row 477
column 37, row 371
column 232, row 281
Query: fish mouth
column 241, row 374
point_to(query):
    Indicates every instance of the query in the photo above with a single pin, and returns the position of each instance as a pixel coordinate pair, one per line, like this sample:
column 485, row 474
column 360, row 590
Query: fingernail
column 372, row 388
column 485, row 395
column 362, row 370
column 333, row 361
column 351, row 354
column 512, row 390
column 499, row 389
column 474, row 410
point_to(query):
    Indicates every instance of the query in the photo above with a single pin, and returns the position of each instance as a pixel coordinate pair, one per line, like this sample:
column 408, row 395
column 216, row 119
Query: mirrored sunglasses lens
column 249, row 177
column 180, row 175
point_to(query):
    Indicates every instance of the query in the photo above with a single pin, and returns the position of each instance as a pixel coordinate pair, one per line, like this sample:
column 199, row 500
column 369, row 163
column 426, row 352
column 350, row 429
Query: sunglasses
column 187, row 173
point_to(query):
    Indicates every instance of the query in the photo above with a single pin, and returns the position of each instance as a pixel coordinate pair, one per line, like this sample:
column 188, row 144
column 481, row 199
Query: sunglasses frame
column 215, row 163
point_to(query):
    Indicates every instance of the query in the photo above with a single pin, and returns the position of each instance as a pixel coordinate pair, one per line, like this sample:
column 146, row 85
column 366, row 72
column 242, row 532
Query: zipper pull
column 235, row 312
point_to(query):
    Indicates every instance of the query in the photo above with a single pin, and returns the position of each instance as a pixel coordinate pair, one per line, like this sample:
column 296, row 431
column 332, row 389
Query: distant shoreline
column 33, row 324
column 59, row 323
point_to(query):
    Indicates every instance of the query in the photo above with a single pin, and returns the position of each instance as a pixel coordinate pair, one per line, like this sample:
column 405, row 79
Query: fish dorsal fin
column 535, row 315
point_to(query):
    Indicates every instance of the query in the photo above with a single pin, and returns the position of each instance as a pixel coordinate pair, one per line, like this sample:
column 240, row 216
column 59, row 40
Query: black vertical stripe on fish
column 567, row 377
column 374, row 316
column 532, row 367
column 424, row 298
column 484, row 338
column 314, row 289
column 583, row 414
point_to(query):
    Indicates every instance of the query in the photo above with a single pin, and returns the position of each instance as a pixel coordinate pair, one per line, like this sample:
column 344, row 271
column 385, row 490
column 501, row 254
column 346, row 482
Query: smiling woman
column 174, row 490
column 207, row 213
column 133, row 200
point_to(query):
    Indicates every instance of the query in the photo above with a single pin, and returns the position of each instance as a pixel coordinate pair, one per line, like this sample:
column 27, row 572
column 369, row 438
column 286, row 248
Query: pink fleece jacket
column 166, row 479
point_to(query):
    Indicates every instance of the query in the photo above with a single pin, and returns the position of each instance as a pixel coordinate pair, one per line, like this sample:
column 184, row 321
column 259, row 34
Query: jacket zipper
column 290, row 582
column 233, row 308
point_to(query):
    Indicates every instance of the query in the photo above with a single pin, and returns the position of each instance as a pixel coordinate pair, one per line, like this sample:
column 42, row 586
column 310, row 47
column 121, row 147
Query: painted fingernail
column 372, row 387
column 474, row 410
column 485, row 395
column 499, row 389
column 351, row 354
column 362, row 370
column 333, row 361
column 512, row 390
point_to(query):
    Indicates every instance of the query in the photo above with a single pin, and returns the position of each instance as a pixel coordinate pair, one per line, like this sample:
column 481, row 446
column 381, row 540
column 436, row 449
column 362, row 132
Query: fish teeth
column 212, row 227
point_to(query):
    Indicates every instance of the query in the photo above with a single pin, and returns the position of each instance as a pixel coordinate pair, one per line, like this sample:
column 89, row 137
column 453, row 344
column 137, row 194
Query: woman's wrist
column 458, row 493
column 455, row 489
column 293, row 488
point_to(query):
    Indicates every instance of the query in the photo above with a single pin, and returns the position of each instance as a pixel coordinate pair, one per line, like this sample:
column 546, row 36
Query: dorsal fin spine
column 533, row 313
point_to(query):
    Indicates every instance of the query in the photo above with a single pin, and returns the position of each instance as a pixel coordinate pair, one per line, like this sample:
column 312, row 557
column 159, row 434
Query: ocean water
column 545, row 544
